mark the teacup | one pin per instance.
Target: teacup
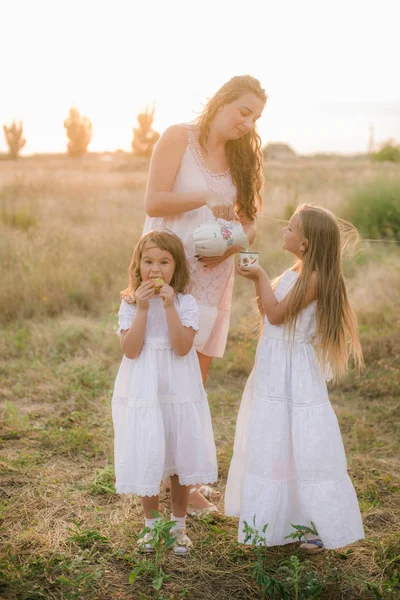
(248, 258)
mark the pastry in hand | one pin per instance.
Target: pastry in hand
(158, 283)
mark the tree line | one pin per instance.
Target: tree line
(79, 131)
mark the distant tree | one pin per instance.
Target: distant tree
(388, 151)
(79, 132)
(144, 138)
(14, 138)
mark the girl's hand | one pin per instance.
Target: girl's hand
(167, 293)
(143, 293)
(221, 207)
(252, 273)
(214, 261)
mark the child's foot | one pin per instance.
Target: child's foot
(182, 543)
(312, 546)
(146, 543)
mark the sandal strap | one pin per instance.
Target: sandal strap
(316, 542)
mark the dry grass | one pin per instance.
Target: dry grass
(58, 368)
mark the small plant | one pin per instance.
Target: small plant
(86, 538)
(302, 531)
(14, 138)
(301, 583)
(79, 132)
(144, 137)
(162, 540)
(269, 586)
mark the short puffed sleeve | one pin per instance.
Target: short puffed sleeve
(126, 314)
(188, 311)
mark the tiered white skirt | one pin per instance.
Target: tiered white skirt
(162, 422)
(289, 465)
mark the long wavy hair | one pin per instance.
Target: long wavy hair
(244, 155)
(164, 240)
(337, 329)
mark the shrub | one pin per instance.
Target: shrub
(375, 209)
(79, 132)
(144, 138)
(14, 138)
(388, 152)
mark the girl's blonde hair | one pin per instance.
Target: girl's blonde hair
(244, 154)
(337, 328)
(164, 240)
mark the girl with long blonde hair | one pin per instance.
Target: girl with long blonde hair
(289, 465)
(210, 169)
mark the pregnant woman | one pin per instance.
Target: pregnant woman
(210, 169)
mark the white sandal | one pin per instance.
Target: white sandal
(145, 543)
(313, 546)
(182, 544)
(209, 493)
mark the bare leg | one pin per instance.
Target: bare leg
(197, 500)
(205, 363)
(150, 503)
(179, 497)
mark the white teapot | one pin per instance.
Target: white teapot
(214, 239)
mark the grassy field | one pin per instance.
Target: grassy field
(67, 233)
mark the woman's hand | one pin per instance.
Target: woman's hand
(221, 207)
(214, 261)
(252, 273)
(167, 293)
(144, 292)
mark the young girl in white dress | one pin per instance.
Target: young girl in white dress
(162, 422)
(289, 465)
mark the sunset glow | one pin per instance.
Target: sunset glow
(329, 69)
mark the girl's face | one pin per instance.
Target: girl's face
(156, 263)
(293, 239)
(240, 116)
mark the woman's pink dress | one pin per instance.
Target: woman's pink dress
(211, 287)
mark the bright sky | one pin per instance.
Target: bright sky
(330, 69)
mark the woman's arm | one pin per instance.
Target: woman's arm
(164, 166)
(249, 227)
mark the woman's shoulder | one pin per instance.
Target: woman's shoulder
(177, 133)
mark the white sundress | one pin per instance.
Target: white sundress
(289, 464)
(211, 287)
(162, 422)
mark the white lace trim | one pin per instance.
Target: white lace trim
(155, 402)
(140, 490)
(194, 144)
(221, 183)
(286, 400)
(203, 478)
